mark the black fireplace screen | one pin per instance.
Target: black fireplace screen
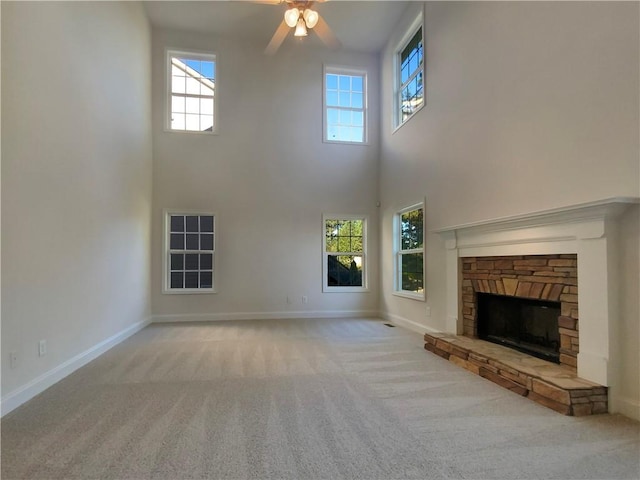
(527, 325)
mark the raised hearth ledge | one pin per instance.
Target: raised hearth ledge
(551, 385)
(588, 230)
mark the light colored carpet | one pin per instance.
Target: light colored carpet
(298, 399)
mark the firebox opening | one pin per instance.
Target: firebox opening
(527, 325)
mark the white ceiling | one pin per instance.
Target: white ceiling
(360, 25)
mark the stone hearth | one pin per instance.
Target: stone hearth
(554, 386)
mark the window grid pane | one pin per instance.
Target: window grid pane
(344, 108)
(191, 251)
(192, 93)
(344, 247)
(344, 270)
(412, 274)
(411, 230)
(411, 92)
(410, 256)
(344, 236)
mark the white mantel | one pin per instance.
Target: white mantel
(588, 230)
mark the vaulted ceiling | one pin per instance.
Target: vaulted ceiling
(359, 25)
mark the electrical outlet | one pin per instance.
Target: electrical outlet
(428, 310)
(42, 348)
(13, 359)
(305, 299)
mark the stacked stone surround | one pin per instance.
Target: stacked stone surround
(554, 386)
(544, 277)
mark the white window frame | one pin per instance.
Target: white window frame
(195, 55)
(325, 267)
(338, 70)
(398, 252)
(166, 252)
(416, 25)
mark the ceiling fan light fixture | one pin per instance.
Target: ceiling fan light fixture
(291, 17)
(301, 29)
(310, 17)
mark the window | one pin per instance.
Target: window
(189, 247)
(192, 86)
(344, 253)
(409, 233)
(410, 76)
(345, 105)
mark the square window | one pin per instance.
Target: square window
(206, 223)
(177, 241)
(206, 279)
(191, 261)
(192, 241)
(177, 261)
(177, 279)
(206, 241)
(206, 261)
(191, 279)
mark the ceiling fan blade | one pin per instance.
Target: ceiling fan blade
(277, 39)
(326, 34)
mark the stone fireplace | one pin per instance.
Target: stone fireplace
(546, 256)
(550, 278)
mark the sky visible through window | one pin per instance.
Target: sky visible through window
(411, 91)
(345, 104)
(192, 93)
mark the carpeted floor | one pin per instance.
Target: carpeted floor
(298, 399)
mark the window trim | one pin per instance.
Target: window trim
(365, 266)
(196, 55)
(418, 23)
(166, 289)
(397, 277)
(340, 70)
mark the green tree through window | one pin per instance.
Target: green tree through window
(410, 257)
(344, 252)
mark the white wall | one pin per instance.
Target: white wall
(529, 106)
(629, 327)
(76, 184)
(269, 178)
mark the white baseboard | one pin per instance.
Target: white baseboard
(38, 385)
(626, 406)
(408, 324)
(218, 317)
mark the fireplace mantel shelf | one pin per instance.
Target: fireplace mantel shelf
(599, 209)
(587, 230)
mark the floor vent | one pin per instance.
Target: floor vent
(389, 325)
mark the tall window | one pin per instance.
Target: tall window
(344, 253)
(189, 263)
(410, 77)
(192, 88)
(410, 252)
(345, 105)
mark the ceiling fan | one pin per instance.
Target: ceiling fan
(302, 17)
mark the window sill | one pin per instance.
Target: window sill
(398, 127)
(340, 142)
(326, 289)
(188, 291)
(191, 132)
(412, 296)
